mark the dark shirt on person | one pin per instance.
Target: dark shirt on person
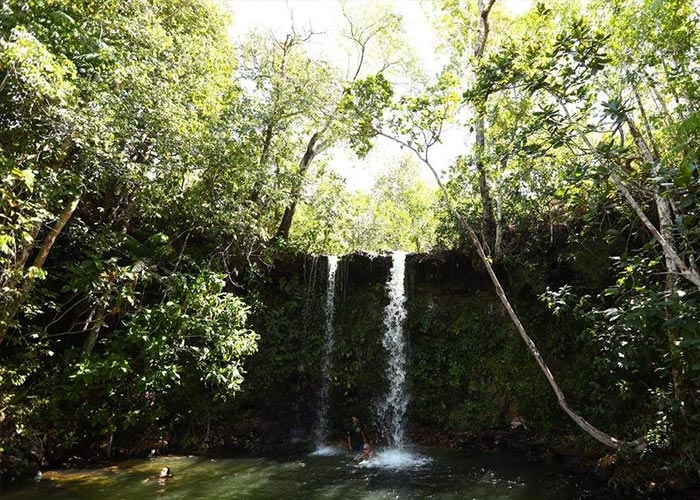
(356, 438)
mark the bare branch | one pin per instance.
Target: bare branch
(687, 272)
(612, 442)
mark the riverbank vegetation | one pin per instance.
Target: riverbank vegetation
(156, 175)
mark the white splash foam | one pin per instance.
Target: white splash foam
(327, 451)
(396, 459)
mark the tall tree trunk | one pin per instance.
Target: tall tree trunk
(110, 443)
(267, 142)
(688, 272)
(264, 158)
(498, 240)
(665, 214)
(92, 326)
(11, 309)
(288, 216)
(488, 222)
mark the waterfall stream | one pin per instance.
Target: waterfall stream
(324, 397)
(392, 409)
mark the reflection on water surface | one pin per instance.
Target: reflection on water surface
(436, 474)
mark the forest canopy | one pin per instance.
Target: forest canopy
(153, 167)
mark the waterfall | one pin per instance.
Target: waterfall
(324, 398)
(392, 409)
(310, 277)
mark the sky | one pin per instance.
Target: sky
(325, 16)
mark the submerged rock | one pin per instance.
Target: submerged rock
(605, 467)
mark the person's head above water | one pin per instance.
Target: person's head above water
(165, 472)
(367, 452)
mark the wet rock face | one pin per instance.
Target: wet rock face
(440, 287)
(445, 271)
(467, 368)
(286, 369)
(261, 437)
(364, 269)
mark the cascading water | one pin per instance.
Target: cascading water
(392, 409)
(324, 397)
(310, 276)
(297, 433)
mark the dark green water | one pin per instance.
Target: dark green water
(447, 474)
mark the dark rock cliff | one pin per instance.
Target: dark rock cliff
(468, 370)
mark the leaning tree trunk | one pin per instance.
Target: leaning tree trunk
(288, 216)
(54, 233)
(92, 327)
(665, 214)
(12, 308)
(610, 441)
(637, 445)
(688, 272)
(664, 235)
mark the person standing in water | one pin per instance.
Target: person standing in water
(356, 438)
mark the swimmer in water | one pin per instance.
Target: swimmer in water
(165, 473)
(367, 452)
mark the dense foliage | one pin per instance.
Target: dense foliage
(112, 114)
(152, 173)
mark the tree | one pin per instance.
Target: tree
(404, 209)
(416, 125)
(396, 214)
(115, 117)
(323, 117)
(565, 75)
(98, 112)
